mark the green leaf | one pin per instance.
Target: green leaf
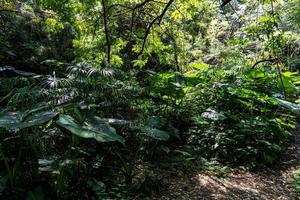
(3, 182)
(116, 122)
(289, 105)
(39, 107)
(94, 127)
(193, 78)
(155, 133)
(184, 153)
(37, 194)
(213, 115)
(19, 120)
(198, 120)
(155, 122)
(97, 186)
(165, 149)
(38, 118)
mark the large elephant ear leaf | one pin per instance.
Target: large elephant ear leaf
(155, 133)
(38, 118)
(16, 120)
(94, 128)
(151, 128)
(155, 122)
(11, 120)
(38, 107)
(99, 124)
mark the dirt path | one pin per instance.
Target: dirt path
(266, 184)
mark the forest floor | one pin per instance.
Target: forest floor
(267, 184)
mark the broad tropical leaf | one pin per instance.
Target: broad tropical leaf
(292, 106)
(155, 133)
(116, 122)
(94, 127)
(20, 120)
(151, 128)
(155, 122)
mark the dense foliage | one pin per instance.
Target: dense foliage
(96, 96)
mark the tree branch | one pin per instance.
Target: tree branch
(225, 2)
(272, 60)
(106, 30)
(159, 19)
(130, 8)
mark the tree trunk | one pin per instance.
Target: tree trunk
(106, 30)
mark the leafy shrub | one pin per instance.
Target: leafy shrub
(243, 124)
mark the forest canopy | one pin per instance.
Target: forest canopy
(98, 96)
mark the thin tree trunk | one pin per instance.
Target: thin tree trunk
(106, 30)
